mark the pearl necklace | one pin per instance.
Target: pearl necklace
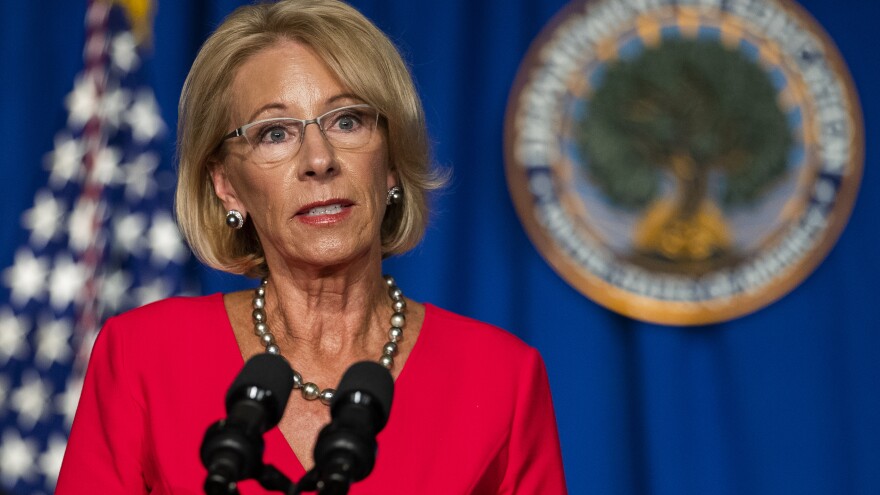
(310, 391)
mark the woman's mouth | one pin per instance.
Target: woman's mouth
(324, 210)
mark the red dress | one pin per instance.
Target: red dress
(472, 411)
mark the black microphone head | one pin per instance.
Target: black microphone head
(266, 378)
(366, 378)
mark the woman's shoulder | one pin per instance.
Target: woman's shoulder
(446, 328)
(456, 355)
(174, 308)
(175, 305)
(170, 329)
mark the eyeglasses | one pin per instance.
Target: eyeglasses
(276, 140)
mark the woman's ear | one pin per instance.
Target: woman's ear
(223, 188)
(392, 181)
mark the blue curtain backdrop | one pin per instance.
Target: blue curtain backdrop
(786, 400)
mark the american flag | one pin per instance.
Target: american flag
(100, 239)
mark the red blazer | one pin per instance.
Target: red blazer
(472, 411)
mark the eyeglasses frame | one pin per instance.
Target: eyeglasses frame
(239, 132)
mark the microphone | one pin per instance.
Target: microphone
(232, 449)
(345, 451)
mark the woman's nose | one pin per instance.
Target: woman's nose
(316, 158)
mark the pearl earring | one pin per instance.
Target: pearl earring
(234, 219)
(395, 195)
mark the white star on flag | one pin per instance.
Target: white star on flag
(53, 341)
(106, 164)
(83, 102)
(50, 460)
(114, 290)
(80, 224)
(123, 52)
(17, 456)
(66, 282)
(128, 232)
(26, 279)
(44, 219)
(65, 161)
(144, 118)
(138, 177)
(114, 102)
(30, 400)
(13, 335)
(165, 242)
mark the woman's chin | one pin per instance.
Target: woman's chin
(332, 252)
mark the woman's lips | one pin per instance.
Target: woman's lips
(324, 212)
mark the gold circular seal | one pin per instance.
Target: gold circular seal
(683, 163)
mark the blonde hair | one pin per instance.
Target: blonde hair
(367, 64)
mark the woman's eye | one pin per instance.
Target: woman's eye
(275, 134)
(346, 122)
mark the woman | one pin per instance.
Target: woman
(312, 210)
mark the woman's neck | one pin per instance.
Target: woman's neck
(328, 312)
